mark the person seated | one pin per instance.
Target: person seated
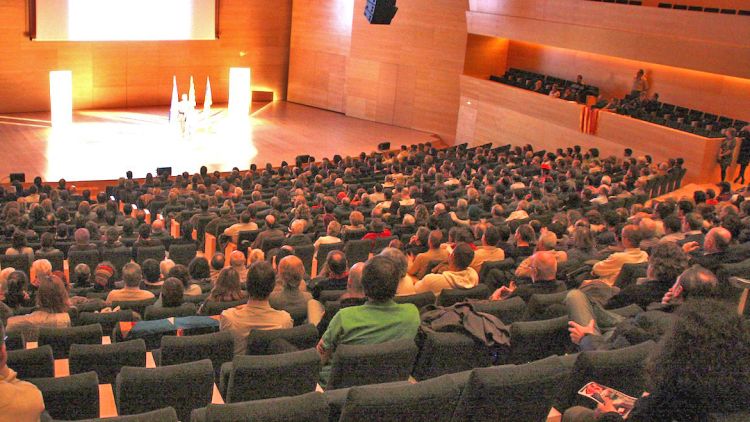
(226, 289)
(458, 276)
(225, 219)
(487, 251)
(183, 274)
(354, 296)
(546, 244)
(405, 281)
(159, 233)
(82, 242)
(287, 294)
(542, 269)
(665, 263)
(246, 224)
(608, 269)
(40, 269)
(151, 275)
(379, 320)
(440, 218)
(297, 234)
(418, 267)
(712, 380)
(132, 277)
(672, 229)
(15, 291)
(332, 236)
(592, 327)
(217, 264)
(173, 295)
(144, 238)
(52, 304)
(237, 261)
(111, 239)
(20, 401)
(81, 277)
(104, 277)
(714, 251)
(257, 314)
(377, 230)
(270, 231)
(47, 243)
(356, 223)
(333, 275)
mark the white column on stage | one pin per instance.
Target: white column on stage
(174, 107)
(240, 94)
(191, 92)
(208, 99)
(61, 97)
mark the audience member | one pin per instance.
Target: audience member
(132, 277)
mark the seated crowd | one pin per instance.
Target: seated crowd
(519, 222)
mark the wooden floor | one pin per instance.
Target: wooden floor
(103, 145)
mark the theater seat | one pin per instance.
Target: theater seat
(533, 340)
(357, 251)
(445, 353)
(311, 407)
(428, 401)
(152, 312)
(508, 311)
(302, 337)
(546, 305)
(32, 363)
(449, 297)
(72, 397)
(61, 338)
(420, 300)
(512, 393)
(166, 414)
(107, 320)
(372, 364)
(264, 377)
(185, 387)
(218, 347)
(107, 359)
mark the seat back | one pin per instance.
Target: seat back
(545, 306)
(184, 387)
(507, 311)
(166, 414)
(302, 336)
(15, 341)
(32, 363)
(107, 320)
(512, 392)
(90, 258)
(218, 347)
(269, 243)
(20, 262)
(382, 243)
(445, 353)
(153, 312)
(134, 305)
(60, 339)
(310, 407)
(372, 364)
(216, 308)
(449, 297)
(427, 401)
(265, 377)
(71, 398)
(305, 253)
(57, 259)
(118, 257)
(143, 253)
(353, 234)
(182, 253)
(357, 251)
(107, 359)
(323, 251)
(621, 369)
(420, 300)
(533, 340)
(330, 295)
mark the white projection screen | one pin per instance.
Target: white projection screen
(125, 20)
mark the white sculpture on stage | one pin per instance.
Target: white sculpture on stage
(182, 113)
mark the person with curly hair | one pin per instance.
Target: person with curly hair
(666, 262)
(686, 386)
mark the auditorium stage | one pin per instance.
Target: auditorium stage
(103, 145)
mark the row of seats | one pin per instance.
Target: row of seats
(724, 11)
(526, 79)
(683, 118)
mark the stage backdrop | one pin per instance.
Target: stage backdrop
(252, 33)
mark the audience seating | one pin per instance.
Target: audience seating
(182, 254)
(449, 297)
(184, 387)
(166, 414)
(357, 251)
(106, 359)
(118, 257)
(311, 407)
(149, 252)
(153, 312)
(107, 320)
(443, 353)
(218, 347)
(420, 300)
(15, 341)
(56, 259)
(90, 258)
(508, 311)
(302, 337)
(270, 243)
(512, 393)
(428, 401)
(20, 262)
(330, 295)
(72, 397)
(371, 364)
(32, 363)
(263, 377)
(138, 306)
(546, 305)
(323, 251)
(305, 253)
(216, 308)
(533, 340)
(60, 339)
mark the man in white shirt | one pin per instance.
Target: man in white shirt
(132, 276)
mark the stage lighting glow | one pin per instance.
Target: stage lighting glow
(240, 92)
(61, 97)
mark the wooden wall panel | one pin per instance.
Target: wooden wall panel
(486, 56)
(407, 73)
(320, 41)
(718, 94)
(125, 74)
(705, 42)
(487, 115)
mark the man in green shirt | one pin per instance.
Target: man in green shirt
(378, 321)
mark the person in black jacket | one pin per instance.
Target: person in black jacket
(743, 157)
(698, 368)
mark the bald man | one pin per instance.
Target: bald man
(158, 232)
(607, 270)
(287, 293)
(296, 234)
(237, 261)
(354, 296)
(546, 244)
(715, 250)
(648, 229)
(271, 230)
(542, 267)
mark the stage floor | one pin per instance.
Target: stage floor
(103, 145)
